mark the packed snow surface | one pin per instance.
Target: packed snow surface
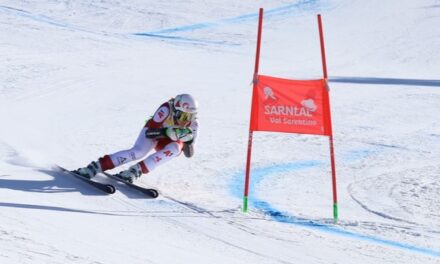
(78, 79)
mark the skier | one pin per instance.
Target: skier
(171, 130)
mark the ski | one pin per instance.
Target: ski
(151, 193)
(108, 188)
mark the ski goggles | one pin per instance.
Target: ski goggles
(184, 116)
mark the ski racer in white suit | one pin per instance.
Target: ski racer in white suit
(171, 130)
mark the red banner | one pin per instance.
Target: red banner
(291, 106)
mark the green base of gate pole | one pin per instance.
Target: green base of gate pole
(245, 204)
(335, 213)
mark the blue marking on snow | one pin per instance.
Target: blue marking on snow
(357, 154)
(309, 6)
(289, 219)
(41, 18)
(192, 40)
(305, 5)
(257, 175)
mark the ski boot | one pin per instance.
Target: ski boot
(90, 170)
(131, 173)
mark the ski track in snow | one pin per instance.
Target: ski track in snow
(297, 8)
(266, 208)
(42, 19)
(305, 6)
(257, 173)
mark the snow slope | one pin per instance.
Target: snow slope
(79, 78)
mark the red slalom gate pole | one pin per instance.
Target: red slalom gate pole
(332, 152)
(255, 79)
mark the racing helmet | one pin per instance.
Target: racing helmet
(185, 108)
